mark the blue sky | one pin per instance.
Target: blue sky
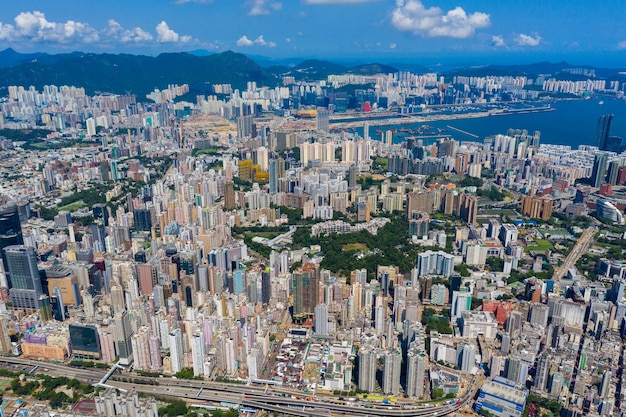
(479, 31)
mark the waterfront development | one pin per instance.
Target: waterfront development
(567, 122)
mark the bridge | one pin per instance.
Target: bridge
(105, 378)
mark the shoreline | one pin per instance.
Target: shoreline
(411, 120)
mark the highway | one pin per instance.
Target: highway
(579, 249)
(269, 398)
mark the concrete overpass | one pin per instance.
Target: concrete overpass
(270, 398)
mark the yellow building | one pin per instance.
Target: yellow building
(33, 350)
(537, 208)
(64, 278)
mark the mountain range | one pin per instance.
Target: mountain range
(141, 74)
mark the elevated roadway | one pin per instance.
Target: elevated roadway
(269, 398)
(580, 248)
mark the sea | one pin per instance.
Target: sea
(573, 123)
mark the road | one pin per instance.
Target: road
(579, 249)
(270, 398)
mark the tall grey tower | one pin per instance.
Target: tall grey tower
(10, 231)
(602, 131)
(25, 279)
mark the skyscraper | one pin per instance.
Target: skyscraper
(266, 287)
(101, 212)
(321, 320)
(305, 289)
(391, 373)
(276, 171)
(10, 230)
(322, 120)
(367, 369)
(229, 196)
(25, 286)
(467, 357)
(244, 126)
(176, 350)
(142, 220)
(602, 131)
(598, 172)
(197, 353)
(416, 366)
(542, 372)
(122, 335)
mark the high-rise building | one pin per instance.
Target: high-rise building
(321, 320)
(148, 278)
(468, 207)
(122, 335)
(141, 349)
(416, 367)
(602, 131)
(10, 230)
(142, 220)
(305, 289)
(508, 234)
(101, 212)
(244, 126)
(322, 120)
(605, 384)
(367, 369)
(542, 372)
(436, 263)
(418, 223)
(598, 173)
(229, 196)
(266, 287)
(197, 353)
(461, 301)
(613, 171)
(352, 175)
(276, 172)
(467, 357)
(537, 208)
(391, 372)
(25, 279)
(176, 350)
(556, 384)
(284, 140)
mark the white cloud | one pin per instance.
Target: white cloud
(287, 40)
(259, 41)
(498, 40)
(412, 16)
(115, 31)
(35, 27)
(6, 32)
(392, 46)
(165, 34)
(244, 41)
(528, 40)
(336, 1)
(621, 45)
(261, 7)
